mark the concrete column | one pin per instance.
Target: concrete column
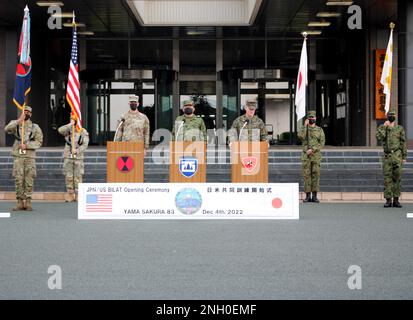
(3, 88)
(405, 13)
(219, 86)
(175, 86)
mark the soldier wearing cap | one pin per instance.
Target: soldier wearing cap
(134, 125)
(248, 127)
(29, 137)
(189, 127)
(313, 140)
(393, 138)
(73, 155)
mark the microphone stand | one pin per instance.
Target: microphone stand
(240, 133)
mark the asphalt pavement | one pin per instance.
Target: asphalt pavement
(232, 259)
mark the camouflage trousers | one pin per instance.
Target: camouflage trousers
(73, 171)
(392, 170)
(311, 174)
(24, 171)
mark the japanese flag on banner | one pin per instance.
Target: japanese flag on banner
(302, 82)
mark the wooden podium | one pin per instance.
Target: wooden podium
(249, 162)
(187, 162)
(124, 162)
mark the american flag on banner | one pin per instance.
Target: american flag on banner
(73, 84)
(99, 202)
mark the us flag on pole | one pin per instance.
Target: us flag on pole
(99, 202)
(73, 84)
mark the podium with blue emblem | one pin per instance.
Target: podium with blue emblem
(124, 162)
(187, 162)
(249, 162)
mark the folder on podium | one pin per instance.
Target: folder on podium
(187, 162)
(249, 162)
(125, 161)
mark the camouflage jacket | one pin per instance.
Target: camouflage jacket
(33, 138)
(81, 141)
(316, 140)
(134, 128)
(393, 139)
(254, 131)
(189, 129)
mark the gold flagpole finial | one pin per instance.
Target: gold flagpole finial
(392, 25)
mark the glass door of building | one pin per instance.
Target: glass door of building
(108, 100)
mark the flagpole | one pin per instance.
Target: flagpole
(307, 93)
(392, 26)
(26, 53)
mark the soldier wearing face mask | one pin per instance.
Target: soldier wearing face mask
(29, 137)
(393, 139)
(313, 140)
(189, 127)
(134, 125)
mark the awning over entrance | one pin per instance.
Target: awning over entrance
(195, 13)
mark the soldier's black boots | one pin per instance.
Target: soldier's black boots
(396, 203)
(307, 197)
(315, 199)
(388, 203)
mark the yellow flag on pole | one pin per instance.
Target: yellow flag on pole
(386, 76)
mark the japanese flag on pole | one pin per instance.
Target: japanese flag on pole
(302, 82)
(386, 76)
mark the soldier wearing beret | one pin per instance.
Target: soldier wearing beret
(189, 127)
(313, 140)
(134, 125)
(393, 139)
(248, 127)
(28, 138)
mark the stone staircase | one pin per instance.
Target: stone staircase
(343, 169)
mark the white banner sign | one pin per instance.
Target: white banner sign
(188, 201)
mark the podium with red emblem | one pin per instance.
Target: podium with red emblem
(249, 162)
(187, 162)
(124, 162)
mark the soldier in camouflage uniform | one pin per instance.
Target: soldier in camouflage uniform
(393, 139)
(134, 125)
(248, 127)
(73, 167)
(24, 154)
(313, 140)
(189, 127)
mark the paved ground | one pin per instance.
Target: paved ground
(306, 259)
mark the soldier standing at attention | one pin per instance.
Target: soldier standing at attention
(313, 140)
(248, 127)
(73, 167)
(29, 137)
(134, 125)
(189, 127)
(393, 138)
